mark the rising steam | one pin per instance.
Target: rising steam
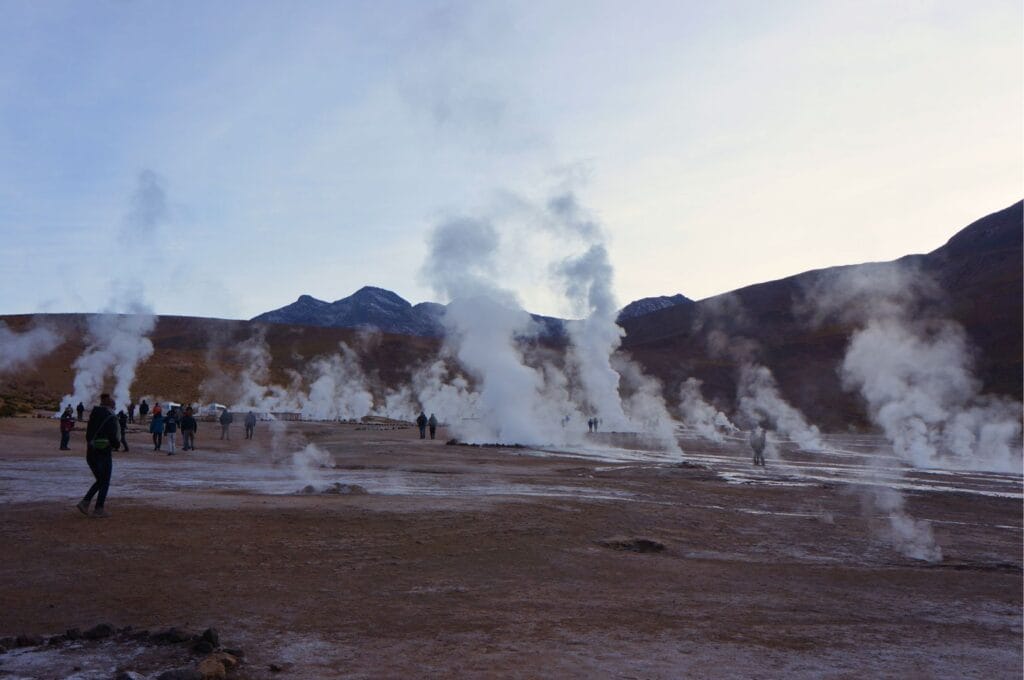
(19, 350)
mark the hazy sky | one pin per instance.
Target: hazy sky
(233, 155)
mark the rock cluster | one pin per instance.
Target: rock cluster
(214, 662)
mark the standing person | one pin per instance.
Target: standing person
(421, 422)
(189, 426)
(156, 427)
(122, 420)
(433, 425)
(143, 410)
(170, 429)
(67, 423)
(81, 410)
(131, 412)
(157, 409)
(225, 424)
(250, 424)
(758, 438)
(100, 439)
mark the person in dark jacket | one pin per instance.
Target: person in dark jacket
(225, 424)
(421, 422)
(131, 412)
(100, 438)
(156, 426)
(67, 423)
(432, 423)
(81, 410)
(171, 429)
(122, 420)
(143, 410)
(189, 426)
(250, 424)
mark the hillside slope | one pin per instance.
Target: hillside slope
(979, 270)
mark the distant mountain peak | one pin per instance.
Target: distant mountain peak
(651, 304)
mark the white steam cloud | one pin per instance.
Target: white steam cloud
(705, 419)
(115, 346)
(20, 350)
(915, 372)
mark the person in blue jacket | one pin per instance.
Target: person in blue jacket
(156, 426)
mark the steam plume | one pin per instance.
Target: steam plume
(18, 350)
(116, 345)
(708, 421)
(915, 371)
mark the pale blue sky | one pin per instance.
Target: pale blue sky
(233, 155)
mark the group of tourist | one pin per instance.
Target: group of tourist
(423, 422)
(106, 432)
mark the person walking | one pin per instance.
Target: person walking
(225, 424)
(81, 410)
(156, 427)
(189, 426)
(432, 423)
(67, 423)
(131, 412)
(171, 429)
(758, 439)
(100, 440)
(421, 422)
(250, 424)
(143, 410)
(122, 420)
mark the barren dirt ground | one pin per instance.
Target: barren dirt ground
(488, 562)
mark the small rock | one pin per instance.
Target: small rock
(56, 640)
(28, 641)
(7, 642)
(171, 636)
(211, 636)
(181, 674)
(274, 668)
(212, 669)
(129, 675)
(640, 545)
(202, 647)
(99, 632)
(73, 634)
(139, 635)
(3, 649)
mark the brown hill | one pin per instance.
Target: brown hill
(979, 270)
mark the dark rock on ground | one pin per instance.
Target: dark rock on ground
(99, 632)
(640, 545)
(28, 641)
(203, 647)
(73, 634)
(212, 636)
(171, 636)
